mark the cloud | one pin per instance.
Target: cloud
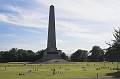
(76, 21)
(25, 19)
(93, 10)
(9, 34)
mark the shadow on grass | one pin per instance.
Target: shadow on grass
(114, 74)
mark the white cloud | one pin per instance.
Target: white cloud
(25, 18)
(90, 10)
(10, 35)
(95, 11)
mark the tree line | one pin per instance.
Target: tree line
(21, 55)
(96, 54)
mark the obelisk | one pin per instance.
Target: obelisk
(51, 52)
(51, 43)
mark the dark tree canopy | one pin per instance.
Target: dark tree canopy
(64, 56)
(21, 55)
(79, 55)
(97, 54)
(113, 52)
(17, 55)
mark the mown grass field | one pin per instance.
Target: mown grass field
(57, 71)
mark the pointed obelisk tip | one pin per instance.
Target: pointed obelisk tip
(51, 6)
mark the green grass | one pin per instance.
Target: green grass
(62, 71)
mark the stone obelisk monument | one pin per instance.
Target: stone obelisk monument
(51, 44)
(51, 52)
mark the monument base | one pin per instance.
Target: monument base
(50, 56)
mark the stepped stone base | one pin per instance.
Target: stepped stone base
(51, 57)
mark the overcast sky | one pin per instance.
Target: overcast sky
(80, 24)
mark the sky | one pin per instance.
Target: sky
(80, 24)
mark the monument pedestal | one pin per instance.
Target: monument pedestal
(50, 56)
(53, 54)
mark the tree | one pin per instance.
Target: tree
(113, 52)
(63, 56)
(21, 54)
(39, 54)
(5, 56)
(2, 56)
(79, 55)
(97, 54)
(30, 55)
(13, 54)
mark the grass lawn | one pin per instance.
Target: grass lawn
(57, 71)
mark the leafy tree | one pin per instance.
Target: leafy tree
(13, 54)
(113, 52)
(79, 55)
(21, 55)
(39, 54)
(64, 56)
(5, 55)
(2, 56)
(30, 55)
(97, 54)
